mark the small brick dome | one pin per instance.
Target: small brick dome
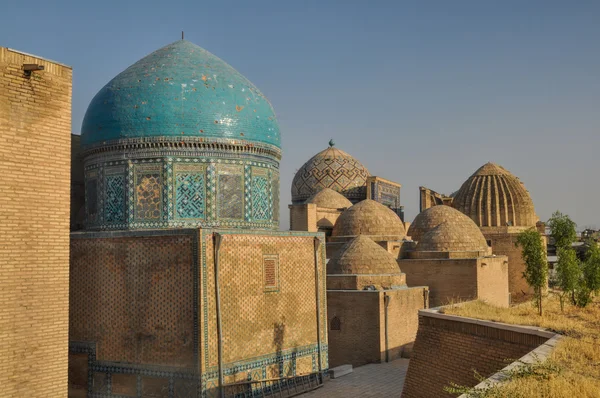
(329, 198)
(436, 215)
(494, 197)
(447, 237)
(362, 256)
(330, 168)
(369, 217)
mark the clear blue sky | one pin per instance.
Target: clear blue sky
(422, 93)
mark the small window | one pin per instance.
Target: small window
(336, 324)
(489, 242)
(271, 272)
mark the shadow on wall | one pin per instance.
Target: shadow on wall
(278, 342)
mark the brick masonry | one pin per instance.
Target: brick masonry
(449, 349)
(35, 156)
(144, 310)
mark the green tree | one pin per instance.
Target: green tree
(591, 267)
(569, 273)
(563, 230)
(533, 253)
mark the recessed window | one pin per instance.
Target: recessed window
(271, 272)
(336, 324)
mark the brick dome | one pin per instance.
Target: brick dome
(436, 215)
(330, 168)
(369, 217)
(493, 197)
(329, 198)
(362, 256)
(448, 237)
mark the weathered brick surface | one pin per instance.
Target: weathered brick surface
(448, 351)
(361, 336)
(35, 147)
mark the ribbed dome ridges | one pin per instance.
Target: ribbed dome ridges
(493, 197)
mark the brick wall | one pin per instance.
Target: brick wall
(360, 338)
(35, 139)
(492, 280)
(303, 217)
(449, 348)
(448, 280)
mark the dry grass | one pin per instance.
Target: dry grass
(577, 355)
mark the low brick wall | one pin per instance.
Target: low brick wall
(450, 348)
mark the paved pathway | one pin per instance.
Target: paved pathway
(374, 380)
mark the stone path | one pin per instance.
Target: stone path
(374, 380)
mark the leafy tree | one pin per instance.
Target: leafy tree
(563, 230)
(533, 253)
(591, 267)
(569, 273)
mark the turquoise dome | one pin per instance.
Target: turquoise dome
(180, 90)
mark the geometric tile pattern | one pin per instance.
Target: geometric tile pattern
(114, 205)
(181, 191)
(190, 195)
(331, 168)
(261, 205)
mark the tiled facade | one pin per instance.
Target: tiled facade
(35, 156)
(145, 314)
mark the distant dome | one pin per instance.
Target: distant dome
(181, 91)
(494, 197)
(369, 217)
(447, 237)
(331, 168)
(362, 256)
(329, 198)
(436, 215)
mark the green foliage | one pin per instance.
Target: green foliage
(533, 253)
(563, 230)
(569, 274)
(591, 268)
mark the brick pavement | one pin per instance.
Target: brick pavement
(374, 380)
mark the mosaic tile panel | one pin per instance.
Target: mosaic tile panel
(260, 195)
(275, 195)
(230, 192)
(148, 193)
(116, 195)
(91, 198)
(190, 192)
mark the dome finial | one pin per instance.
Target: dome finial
(331, 142)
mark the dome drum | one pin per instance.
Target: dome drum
(181, 139)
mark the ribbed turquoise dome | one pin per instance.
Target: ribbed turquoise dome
(180, 90)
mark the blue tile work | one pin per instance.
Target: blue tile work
(114, 203)
(388, 195)
(261, 195)
(190, 194)
(180, 192)
(161, 95)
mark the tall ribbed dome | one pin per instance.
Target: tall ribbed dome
(182, 91)
(330, 199)
(369, 217)
(436, 215)
(492, 197)
(330, 168)
(447, 237)
(362, 256)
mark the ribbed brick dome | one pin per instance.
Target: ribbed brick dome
(493, 197)
(362, 256)
(331, 168)
(329, 198)
(447, 237)
(436, 215)
(369, 217)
